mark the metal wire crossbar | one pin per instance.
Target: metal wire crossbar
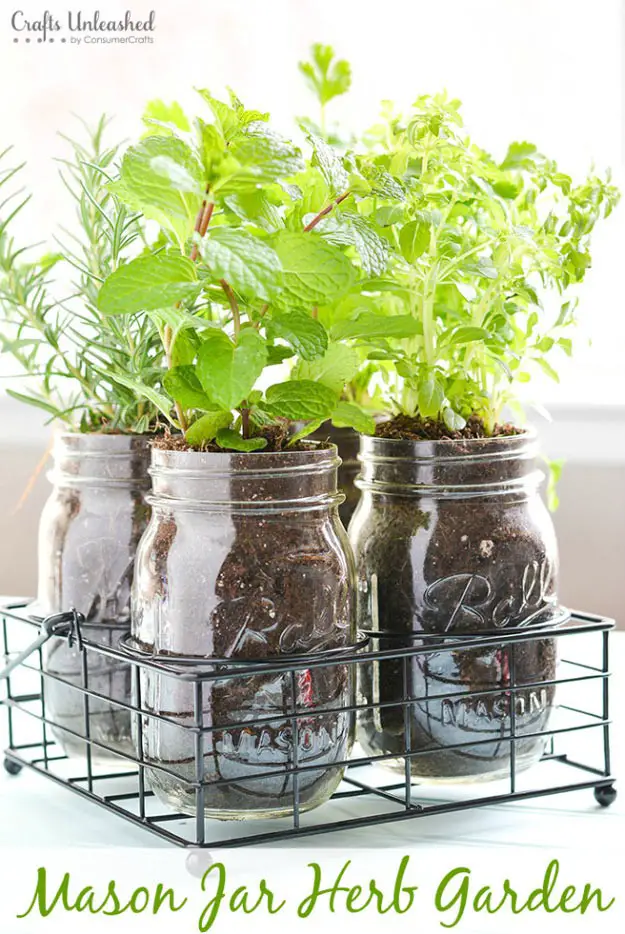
(120, 777)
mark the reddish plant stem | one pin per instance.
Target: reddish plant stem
(330, 207)
(201, 224)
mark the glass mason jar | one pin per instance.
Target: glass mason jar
(88, 536)
(348, 443)
(245, 558)
(452, 537)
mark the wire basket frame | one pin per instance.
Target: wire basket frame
(371, 794)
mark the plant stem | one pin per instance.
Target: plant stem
(167, 347)
(236, 315)
(201, 223)
(330, 207)
(245, 422)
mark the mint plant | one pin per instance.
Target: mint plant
(486, 258)
(75, 363)
(255, 245)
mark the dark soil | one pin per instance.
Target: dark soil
(409, 428)
(277, 437)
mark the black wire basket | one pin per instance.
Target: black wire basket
(368, 794)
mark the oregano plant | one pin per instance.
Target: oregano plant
(480, 289)
(245, 264)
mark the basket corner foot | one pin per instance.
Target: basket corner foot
(11, 766)
(605, 795)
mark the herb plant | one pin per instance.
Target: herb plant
(77, 364)
(480, 250)
(253, 247)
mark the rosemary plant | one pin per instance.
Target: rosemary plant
(73, 362)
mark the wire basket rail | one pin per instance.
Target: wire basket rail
(369, 794)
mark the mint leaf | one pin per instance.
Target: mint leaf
(330, 165)
(265, 155)
(164, 118)
(182, 384)
(313, 272)
(247, 263)
(349, 229)
(163, 177)
(228, 438)
(308, 429)
(227, 371)
(348, 415)
(305, 334)
(147, 283)
(300, 399)
(334, 369)
(207, 427)
(369, 325)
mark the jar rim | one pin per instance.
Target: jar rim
(198, 464)
(495, 447)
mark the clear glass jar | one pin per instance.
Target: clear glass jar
(245, 558)
(347, 442)
(88, 535)
(452, 537)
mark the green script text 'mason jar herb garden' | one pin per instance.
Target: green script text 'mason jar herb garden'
(245, 559)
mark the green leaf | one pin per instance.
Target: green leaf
(207, 427)
(266, 156)
(227, 371)
(307, 430)
(430, 398)
(148, 283)
(547, 368)
(414, 239)
(453, 420)
(326, 77)
(277, 353)
(349, 229)
(247, 263)
(305, 334)
(228, 438)
(162, 175)
(369, 325)
(183, 385)
(162, 403)
(465, 335)
(34, 401)
(348, 415)
(334, 369)
(313, 272)
(300, 399)
(329, 164)
(167, 117)
(519, 156)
